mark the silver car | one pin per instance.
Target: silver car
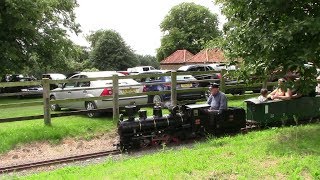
(73, 90)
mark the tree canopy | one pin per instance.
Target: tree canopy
(35, 32)
(274, 35)
(148, 60)
(187, 26)
(110, 52)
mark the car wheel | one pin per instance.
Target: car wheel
(54, 107)
(91, 106)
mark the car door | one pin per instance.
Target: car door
(69, 92)
(81, 91)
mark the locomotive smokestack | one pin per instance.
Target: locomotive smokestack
(130, 110)
(157, 111)
(142, 114)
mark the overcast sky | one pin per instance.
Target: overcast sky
(136, 21)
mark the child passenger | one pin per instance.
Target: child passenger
(263, 95)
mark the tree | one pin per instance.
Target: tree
(110, 51)
(275, 35)
(35, 31)
(187, 26)
(148, 60)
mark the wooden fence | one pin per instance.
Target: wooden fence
(46, 102)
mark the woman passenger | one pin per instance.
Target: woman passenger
(281, 92)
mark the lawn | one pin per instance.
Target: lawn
(14, 133)
(279, 153)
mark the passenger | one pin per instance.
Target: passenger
(281, 92)
(217, 100)
(263, 95)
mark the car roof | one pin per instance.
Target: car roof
(56, 76)
(186, 67)
(154, 71)
(99, 74)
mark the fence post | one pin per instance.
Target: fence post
(46, 101)
(222, 81)
(174, 88)
(115, 82)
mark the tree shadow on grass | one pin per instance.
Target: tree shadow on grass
(297, 141)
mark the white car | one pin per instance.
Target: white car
(220, 66)
(74, 90)
(139, 69)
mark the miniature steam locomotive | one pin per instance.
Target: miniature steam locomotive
(183, 122)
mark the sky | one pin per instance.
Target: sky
(137, 21)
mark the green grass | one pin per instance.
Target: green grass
(280, 153)
(15, 133)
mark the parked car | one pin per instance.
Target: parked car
(102, 88)
(201, 67)
(34, 90)
(220, 66)
(54, 76)
(139, 69)
(182, 83)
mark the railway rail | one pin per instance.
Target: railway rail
(21, 167)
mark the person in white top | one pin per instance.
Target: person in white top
(263, 95)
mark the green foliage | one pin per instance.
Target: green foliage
(187, 26)
(274, 36)
(110, 52)
(34, 33)
(147, 60)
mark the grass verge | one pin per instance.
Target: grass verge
(280, 153)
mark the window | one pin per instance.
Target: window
(145, 69)
(72, 84)
(84, 84)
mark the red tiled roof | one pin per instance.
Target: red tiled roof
(178, 57)
(208, 56)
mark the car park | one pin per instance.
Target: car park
(183, 82)
(96, 88)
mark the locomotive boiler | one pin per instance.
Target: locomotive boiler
(183, 122)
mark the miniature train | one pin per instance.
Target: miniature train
(190, 121)
(183, 122)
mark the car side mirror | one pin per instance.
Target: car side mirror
(61, 85)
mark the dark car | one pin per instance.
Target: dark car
(202, 67)
(182, 83)
(35, 90)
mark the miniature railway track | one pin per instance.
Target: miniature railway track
(56, 161)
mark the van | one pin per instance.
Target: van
(140, 69)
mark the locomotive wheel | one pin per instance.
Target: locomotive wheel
(145, 142)
(165, 139)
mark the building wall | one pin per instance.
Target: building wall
(170, 66)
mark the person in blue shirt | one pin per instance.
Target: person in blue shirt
(217, 100)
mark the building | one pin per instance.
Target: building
(184, 57)
(176, 60)
(207, 56)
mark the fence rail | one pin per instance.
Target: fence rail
(46, 102)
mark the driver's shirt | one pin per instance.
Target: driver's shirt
(218, 101)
